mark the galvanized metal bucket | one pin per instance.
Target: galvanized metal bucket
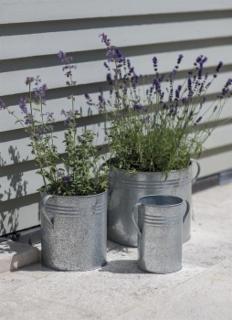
(127, 188)
(160, 233)
(74, 231)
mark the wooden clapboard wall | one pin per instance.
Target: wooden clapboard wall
(33, 31)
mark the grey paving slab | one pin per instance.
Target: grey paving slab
(206, 297)
(33, 309)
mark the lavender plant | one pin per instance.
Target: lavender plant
(158, 128)
(76, 172)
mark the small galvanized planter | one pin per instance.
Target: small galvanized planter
(160, 230)
(127, 188)
(74, 231)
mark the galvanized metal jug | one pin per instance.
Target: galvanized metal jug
(160, 233)
(125, 189)
(74, 231)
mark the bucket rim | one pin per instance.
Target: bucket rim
(43, 194)
(131, 173)
(181, 201)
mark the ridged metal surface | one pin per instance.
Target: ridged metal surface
(160, 233)
(125, 190)
(74, 232)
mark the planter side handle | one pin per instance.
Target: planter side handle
(136, 207)
(43, 208)
(194, 179)
(187, 210)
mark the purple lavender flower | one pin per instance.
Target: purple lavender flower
(39, 93)
(157, 85)
(37, 80)
(177, 93)
(228, 83)
(61, 56)
(155, 63)
(89, 101)
(134, 81)
(114, 54)
(226, 89)
(219, 66)
(109, 78)
(101, 98)
(190, 92)
(64, 58)
(128, 62)
(23, 105)
(102, 102)
(2, 104)
(199, 119)
(106, 66)
(50, 116)
(180, 57)
(105, 39)
(138, 107)
(28, 119)
(29, 80)
(199, 59)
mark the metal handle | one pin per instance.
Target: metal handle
(43, 205)
(133, 217)
(187, 210)
(198, 170)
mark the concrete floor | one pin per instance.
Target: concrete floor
(202, 290)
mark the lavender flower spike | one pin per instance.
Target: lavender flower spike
(23, 105)
(219, 66)
(64, 58)
(180, 57)
(105, 39)
(29, 80)
(138, 107)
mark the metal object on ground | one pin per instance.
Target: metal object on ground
(127, 188)
(160, 233)
(73, 231)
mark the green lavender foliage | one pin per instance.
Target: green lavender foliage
(80, 170)
(157, 124)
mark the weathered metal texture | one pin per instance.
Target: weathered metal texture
(74, 232)
(127, 188)
(160, 233)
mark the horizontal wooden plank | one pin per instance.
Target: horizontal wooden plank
(220, 136)
(13, 82)
(13, 11)
(215, 164)
(81, 40)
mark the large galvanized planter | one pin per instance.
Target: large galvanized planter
(74, 231)
(127, 188)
